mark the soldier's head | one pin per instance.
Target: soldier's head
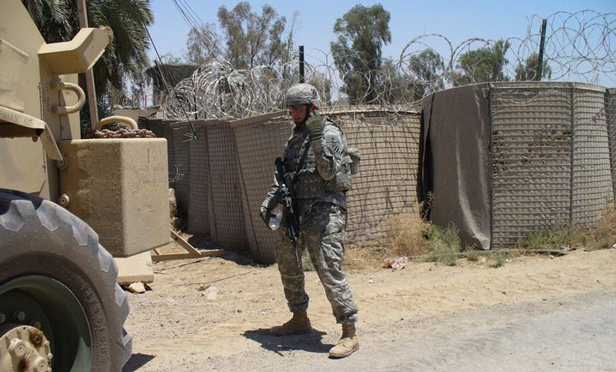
(301, 100)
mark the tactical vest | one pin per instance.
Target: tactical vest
(310, 185)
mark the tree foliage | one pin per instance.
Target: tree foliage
(202, 44)
(482, 65)
(249, 39)
(427, 69)
(530, 69)
(357, 52)
(126, 56)
(394, 87)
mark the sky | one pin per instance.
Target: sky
(455, 20)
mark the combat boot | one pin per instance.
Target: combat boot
(298, 325)
(348, 344)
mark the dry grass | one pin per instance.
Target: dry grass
(406, 237)
(605, 232)
(445, 244)
(408, 233)
(358, 258)
(411, 236)
(601, 237)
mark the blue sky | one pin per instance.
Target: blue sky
(455, 20)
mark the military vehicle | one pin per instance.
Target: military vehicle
(62, 200)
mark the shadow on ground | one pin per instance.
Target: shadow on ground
(136, 361)
(311, 342)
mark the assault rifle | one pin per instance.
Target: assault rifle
(290, 210)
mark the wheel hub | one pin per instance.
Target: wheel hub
(24, 348)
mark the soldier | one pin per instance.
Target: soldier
(317, 162)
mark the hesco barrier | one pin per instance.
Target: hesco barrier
(226, 215)
(499, 160)
(198, 219)
(386, 185)
(179, 170)
(203, 171)
(525, 157)
(259, 141)
(228, 169)
(550, 157)
(610, 104)
(178, 152)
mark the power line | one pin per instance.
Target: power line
(165, 75)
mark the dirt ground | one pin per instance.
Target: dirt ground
(212, 314)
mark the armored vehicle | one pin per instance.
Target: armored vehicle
(68, 206)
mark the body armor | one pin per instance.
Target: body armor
(309, 183)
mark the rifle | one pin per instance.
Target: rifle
(290, 212)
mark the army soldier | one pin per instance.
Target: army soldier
(317, 164)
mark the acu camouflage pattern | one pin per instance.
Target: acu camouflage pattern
(326, 173)
(303, 94)
(321, 204)
(322, 234)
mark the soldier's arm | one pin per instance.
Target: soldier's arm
(273, 196)
(328, 152)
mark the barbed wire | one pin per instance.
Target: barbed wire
(578, 47)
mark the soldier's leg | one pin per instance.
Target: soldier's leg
(293, 282)
(323, 234)
(292, 276)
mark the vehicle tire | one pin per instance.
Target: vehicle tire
(54, 271)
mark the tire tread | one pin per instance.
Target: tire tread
(18, 209)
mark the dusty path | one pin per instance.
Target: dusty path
(533, 314)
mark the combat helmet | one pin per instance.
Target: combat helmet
(303, 94)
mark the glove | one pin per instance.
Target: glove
(315, 125)
(265, 215)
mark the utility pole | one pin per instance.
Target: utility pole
(301, 64)
(541, 48)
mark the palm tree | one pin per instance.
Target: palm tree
(126, 56)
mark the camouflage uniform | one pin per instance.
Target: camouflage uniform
(321, 203)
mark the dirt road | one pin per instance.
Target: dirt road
(533, 314)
